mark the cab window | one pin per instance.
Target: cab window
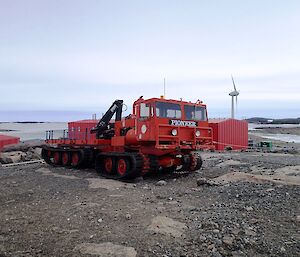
(195, 112)
(144, 110)
(168, 110)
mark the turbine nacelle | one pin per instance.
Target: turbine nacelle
(234, 93)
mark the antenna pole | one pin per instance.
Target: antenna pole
(164, 87)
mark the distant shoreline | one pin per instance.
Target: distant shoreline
(259, 120)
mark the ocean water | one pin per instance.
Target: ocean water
(28, 131)
(281, 137)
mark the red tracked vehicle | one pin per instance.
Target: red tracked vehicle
(160, 135)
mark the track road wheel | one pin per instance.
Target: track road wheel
(123, 167)
(106, 166)
(75, 159)
(109, 166)
(57, 158)
(66, 158)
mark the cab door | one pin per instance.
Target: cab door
(145, 129)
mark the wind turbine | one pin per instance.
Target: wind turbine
(233, 94)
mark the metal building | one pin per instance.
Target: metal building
(81, 129)
(229, 133)
(8, 140)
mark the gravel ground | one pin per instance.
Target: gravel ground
(48, 211)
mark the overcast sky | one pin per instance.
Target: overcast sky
(72, 55)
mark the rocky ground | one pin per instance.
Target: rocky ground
(238, 204)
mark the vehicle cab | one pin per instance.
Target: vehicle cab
(171, 124)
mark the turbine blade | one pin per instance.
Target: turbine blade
(233, 83)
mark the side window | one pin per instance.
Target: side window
(145, 110)
(157, 112)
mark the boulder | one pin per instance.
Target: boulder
(161, 183)
(12, 157)
(24, 146)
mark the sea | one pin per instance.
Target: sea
(281, 137)
(30, 131)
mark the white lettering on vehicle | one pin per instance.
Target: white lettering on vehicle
(183, 123)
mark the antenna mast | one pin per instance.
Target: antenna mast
(164, 87)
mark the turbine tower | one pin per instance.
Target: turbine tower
(233, 94)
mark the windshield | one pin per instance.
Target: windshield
(195, 112)
(168, 110)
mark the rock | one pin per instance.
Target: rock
(128, 216)
(100, 220)
(237, 254)
(211, 225)
(12, 157)
(211, 247)
(235, 231)
(106, 250)
(4, 159)
(161, 183)
(216, 231)
(202, 239)
(38, 151)
(201, 181)
(208, 182)
(252, 242)
(167, 226)
(282, 249)
(24, 146)
(31, 156)
(249, 208)
(216, 254)
(218, 241)
(249, 232)
(298, 218)
(28, 156)
(223, 251)
(228, 240)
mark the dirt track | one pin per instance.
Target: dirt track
(48, 211)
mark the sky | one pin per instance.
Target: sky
(68, 59)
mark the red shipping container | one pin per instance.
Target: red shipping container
(229, 133)
(8, 140)
(81, 129)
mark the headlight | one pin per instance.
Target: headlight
(197, 133)
(174, 132)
